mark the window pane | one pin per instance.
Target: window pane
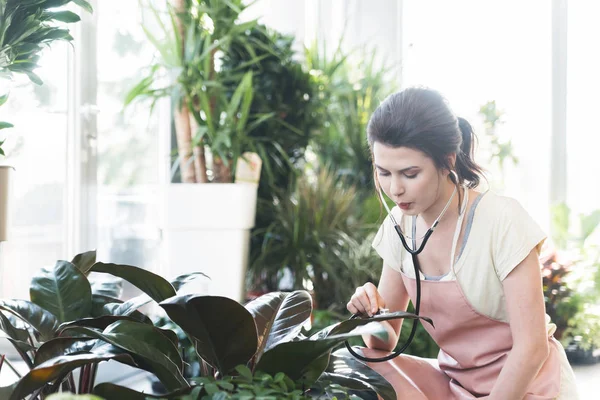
(36, 147)
(583, 85)
(127, 142)
(478, 51)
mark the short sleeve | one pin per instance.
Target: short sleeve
(388, 245)
(515, 234)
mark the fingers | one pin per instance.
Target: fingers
(366, 300)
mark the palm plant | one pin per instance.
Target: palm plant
(210, 61)
(26, 28)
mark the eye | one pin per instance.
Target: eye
(382, 173)
(413, 176)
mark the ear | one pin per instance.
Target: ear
(451, 159)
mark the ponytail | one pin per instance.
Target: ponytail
(466, 168)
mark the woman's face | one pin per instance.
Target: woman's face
(408, 177)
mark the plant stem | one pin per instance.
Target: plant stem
(83, 378)
(12, 367)
(72, 382)
(92, 379)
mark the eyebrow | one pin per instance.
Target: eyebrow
(402, 170)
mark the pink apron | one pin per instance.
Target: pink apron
(473, 350)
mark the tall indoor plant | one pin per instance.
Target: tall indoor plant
(26, 28)
(210, 67)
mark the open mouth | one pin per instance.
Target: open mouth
(405, 206)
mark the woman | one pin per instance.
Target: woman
(480, 274)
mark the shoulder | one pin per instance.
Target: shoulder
(495, 208)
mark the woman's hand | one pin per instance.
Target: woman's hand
(366, 300)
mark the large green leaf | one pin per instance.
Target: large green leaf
(304, 353)
(56, 368)
(182, 280)
(11, 331)
(105, 305)
(112, 391)
(63, 346)
(279, 317)
(153, 285)
(97, 322)
(42, 321)
(350, 324)
(62, 290)
(128, 307)
(84, 4)
(349, 372)
(148, 343)
(111, 288)
(224, 330)
(85, 261)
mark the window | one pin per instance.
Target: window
(36, 147)
(474, 52)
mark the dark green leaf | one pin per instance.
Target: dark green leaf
(63, 16)
(39, 319)
(305, 352)
(112, 391)
(224, 330)
(347, 371)
(111, 288)
(154, 285)
(11, 331)
(22, 346)
(62, 346)
(62, 290)
(4, 125)
(85, 5)
(3, 99)
(85, 261)
(97, 323)
(182, 280)
(55, 368)
(105, 305)
(156, 349)
(279, 317)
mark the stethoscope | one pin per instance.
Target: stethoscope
(414, 251)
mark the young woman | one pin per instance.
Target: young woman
(480, 274)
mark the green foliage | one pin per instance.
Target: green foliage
(572, 276)
(317, 237)
(351, 88)
(26, 28)
(264, 336)
(502, 150)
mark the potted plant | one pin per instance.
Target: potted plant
(73, 322)
(212, 92)
(26, 27)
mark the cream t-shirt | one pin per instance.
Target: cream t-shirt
(499, 235)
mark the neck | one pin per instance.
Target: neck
(433, 212)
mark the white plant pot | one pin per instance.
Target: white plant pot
(5, 174)
(206, 228)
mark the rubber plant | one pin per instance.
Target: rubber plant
(73, 322)
(26, 28)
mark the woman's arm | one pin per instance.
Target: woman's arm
(395, 297)
(526, 313)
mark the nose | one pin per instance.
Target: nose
(396, 187)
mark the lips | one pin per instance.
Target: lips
(404, 206)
